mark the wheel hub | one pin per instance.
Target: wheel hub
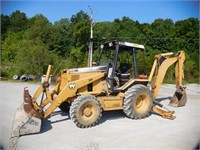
(87, 112)
(141, 103)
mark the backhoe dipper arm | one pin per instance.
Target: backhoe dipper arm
(161, 64)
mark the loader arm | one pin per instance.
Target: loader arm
(160, 66)
(28, 116)
(69, 91)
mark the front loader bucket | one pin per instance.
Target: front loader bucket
(27, 120)
(179, 99)
(25, 124)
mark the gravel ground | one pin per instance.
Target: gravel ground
(113, 132)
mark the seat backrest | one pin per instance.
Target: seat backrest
(125, 68)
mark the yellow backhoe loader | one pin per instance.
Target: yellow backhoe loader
(112, 83)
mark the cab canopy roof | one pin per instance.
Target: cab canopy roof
(124, 45)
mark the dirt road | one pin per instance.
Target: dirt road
(114, 131)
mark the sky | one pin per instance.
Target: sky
(144, 11)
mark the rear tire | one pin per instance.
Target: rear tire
(85, 111)
(138, 102)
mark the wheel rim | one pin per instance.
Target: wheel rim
(88, 113)
(142, 103)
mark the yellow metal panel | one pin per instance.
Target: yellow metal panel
(111, 103)
(82, 90)
(153, 70)
(132, 81)
(70, 91)
(121, 94)
(74, 77)
(161, 74)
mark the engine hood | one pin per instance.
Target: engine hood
(88, 69)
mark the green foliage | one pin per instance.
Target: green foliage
(80, 16)
(81, 33)
(41, 29)
(62, 41)
(18, 21)
(5, 23)
(28, 45)
(33, 57)
(8, 49)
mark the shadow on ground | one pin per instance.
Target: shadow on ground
(47, 123)
(106, 115)
(163, 98)
(111, 115)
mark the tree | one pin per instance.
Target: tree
(5, 23)
(41, 29)
(9, 46)
(81, 33)
(80, 16)
(18, 21)
(77, 58)
(162, 34)
(102, 32)
(62, 41)
(33, 57)
(187, 32)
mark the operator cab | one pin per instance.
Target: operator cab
(121, 62)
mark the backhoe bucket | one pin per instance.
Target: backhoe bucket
(27, 120)
(179, 99)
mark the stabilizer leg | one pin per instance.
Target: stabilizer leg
(164, 114)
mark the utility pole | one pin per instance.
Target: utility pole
(91, 38)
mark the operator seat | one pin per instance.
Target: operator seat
(111, 81)
(124, 72)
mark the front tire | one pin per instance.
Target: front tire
(138, 102)
(85, 111)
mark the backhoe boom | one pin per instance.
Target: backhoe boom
(160, 66)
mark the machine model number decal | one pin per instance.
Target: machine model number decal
(72, 85)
